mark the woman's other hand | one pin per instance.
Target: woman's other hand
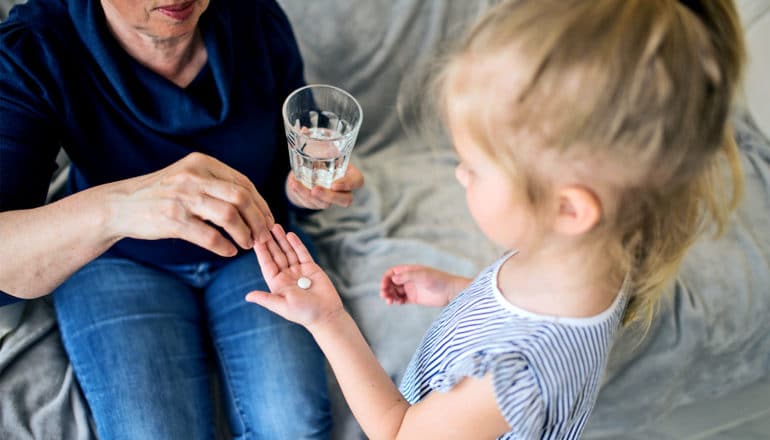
(415, 284)
(178, 202)
(340, 193)
(284, 260)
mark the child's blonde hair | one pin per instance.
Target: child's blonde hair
(641, 84)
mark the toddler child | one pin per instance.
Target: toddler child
(592, 135)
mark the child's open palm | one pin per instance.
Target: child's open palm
(284, 260)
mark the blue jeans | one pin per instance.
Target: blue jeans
(143, 341)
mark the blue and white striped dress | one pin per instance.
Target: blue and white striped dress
(546, 370)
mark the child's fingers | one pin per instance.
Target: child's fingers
(401, 294)
(278, 256)
(394, 275)
(407, 276)
(385, 281)
(265, 259)
(386, 292)
(274, 303)
(280, 237)
(387, 286)
(299, 248)
(402, 268)
(405, 273)
(392, 293)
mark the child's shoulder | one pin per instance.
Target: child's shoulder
(541, 301)
(490, 325)
(485, 280)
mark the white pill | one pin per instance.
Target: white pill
(303, 283)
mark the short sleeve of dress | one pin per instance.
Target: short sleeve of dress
(516, 388)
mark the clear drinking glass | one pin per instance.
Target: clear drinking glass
(322, 124)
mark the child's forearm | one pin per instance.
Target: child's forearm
(457, 285)
(373, 398)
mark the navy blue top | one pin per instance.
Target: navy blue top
(65, 81)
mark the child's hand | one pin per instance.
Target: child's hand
(414, 284)
(284, 260)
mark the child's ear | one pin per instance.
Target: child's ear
(579, 210)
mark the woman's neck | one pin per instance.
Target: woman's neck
(178, 59)
(565, 280)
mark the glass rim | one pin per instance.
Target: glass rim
(352, 132)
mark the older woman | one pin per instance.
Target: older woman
(170, 112)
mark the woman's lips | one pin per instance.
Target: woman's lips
(178, 12)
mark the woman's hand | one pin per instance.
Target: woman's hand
(340, 193)
(415, 284)
(284, 260)
(179, 201)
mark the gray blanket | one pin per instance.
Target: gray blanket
(710, 338)
(39, 398)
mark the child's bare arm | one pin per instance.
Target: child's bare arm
(416, 284)
(468, 411)
(301, 292)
